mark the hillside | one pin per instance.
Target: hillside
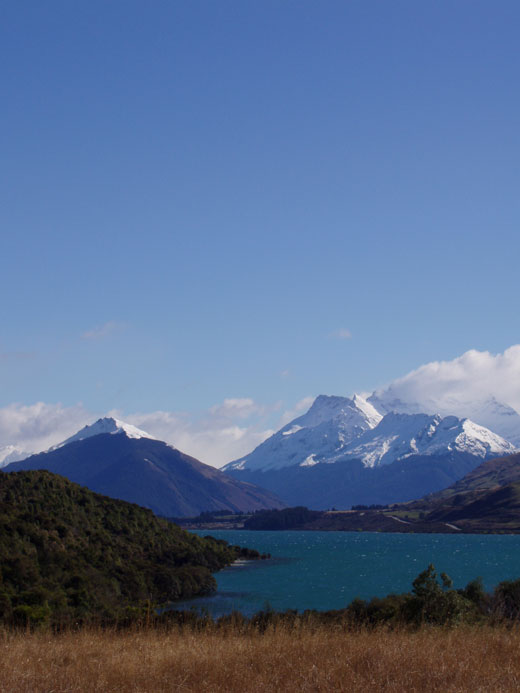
(498, 471)
(499, 508)
(69, 554)
(123, 462)
(487, 499)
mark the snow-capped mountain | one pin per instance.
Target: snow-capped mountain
(105, 425)
(399, 436)
(489, 412)
(119, 460)
(338, 428)
(344, 451)
(322, 433)
(12, 453)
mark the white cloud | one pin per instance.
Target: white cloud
(102, 330)
(342, 333)
(242, 408)
(38, 426)
(474, 376)
(215, 436)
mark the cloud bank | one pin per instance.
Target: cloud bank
(223, 433)
(475, 376)
(216, 437)
(38, 426)
(478, 385)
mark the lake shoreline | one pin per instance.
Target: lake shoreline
(327, 570)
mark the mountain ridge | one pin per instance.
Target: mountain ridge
(146, 471)
(336, 428)
(343, 452)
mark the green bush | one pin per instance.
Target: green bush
(506, 600)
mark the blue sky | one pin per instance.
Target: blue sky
(261, 201)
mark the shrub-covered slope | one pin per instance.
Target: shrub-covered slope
(68, 553)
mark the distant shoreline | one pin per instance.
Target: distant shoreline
(401, 519)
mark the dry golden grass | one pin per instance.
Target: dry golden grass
(464, 659)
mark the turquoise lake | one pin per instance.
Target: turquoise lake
(326, 570)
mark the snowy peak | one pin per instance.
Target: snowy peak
(340, 429)
(399, 436)
(355, 411)
(12, 453)
(372, 414)
(324, 431)
(105, 425)
(488, 411)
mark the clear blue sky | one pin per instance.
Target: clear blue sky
(197, 197)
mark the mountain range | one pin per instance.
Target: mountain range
(121, 461)
(488, 411)
(346, 451)
(379, 449)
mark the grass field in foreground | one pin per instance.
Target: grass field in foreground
(429, 659)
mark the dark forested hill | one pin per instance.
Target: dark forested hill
(67, 553)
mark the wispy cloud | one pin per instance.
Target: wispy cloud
(38, 426)
(236, 407)
(342, 333)
(102, 331)
(17, 355)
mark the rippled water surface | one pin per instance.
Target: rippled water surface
(326, 570)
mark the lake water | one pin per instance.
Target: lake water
(326, 570)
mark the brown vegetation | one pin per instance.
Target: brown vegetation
(299, 658)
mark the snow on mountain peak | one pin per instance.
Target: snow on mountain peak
(486, 411)
(332, 407)
(399, 436)
(372, 414)
(324, 430)
(12, 453)
(106, 425)
(340, 429)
